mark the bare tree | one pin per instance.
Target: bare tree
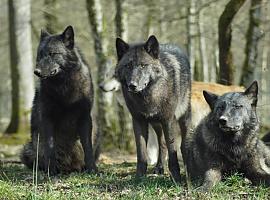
(118, 18)
(192, 34)
(252, 37)
(124, 136)
(203, 51)
(149, 18)
(21, 64)
(14, 122)
(95, 20)
(226, 74)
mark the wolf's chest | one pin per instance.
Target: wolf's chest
(146, 106)
(233, 158)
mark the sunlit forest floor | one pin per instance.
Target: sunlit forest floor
(116, 180)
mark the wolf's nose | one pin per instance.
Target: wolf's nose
(223, 120)
(101, 86)
(37, 72)
(54, 71)
(132, 86)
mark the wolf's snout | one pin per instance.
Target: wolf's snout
(223, 120)
(132, 86)
(101, 86)
(37, 72)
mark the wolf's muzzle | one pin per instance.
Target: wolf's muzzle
(37, 72)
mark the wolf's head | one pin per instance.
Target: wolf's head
(235, 111)
(55, 54)
(110, 83)
(138, 65)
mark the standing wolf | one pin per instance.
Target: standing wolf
(61, 113)
(156, 85)
(226, 140)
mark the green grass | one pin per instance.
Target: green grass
(115, 182)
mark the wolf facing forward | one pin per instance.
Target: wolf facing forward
(226, 140)
(156, 83)
(61, 123)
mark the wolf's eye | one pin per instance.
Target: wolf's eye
(53, 53)
(221, 107)
(238, 106)
(145, 65)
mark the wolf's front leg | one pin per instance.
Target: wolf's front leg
(85, 133)
(258, 171)
(212, 177)
(169, 128)
(257, 167)
(162, 149)
(49, 147)
(140, 127)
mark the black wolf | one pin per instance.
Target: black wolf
(156, 84)
(226, 140)
(61, 123)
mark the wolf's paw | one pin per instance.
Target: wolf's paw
(140, 174)
(91, 169)
(176, 177)
(158, 170)
(203, 189)
(52, 170)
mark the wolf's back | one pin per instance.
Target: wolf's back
(177, 65)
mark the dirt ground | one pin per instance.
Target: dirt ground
(10, 153)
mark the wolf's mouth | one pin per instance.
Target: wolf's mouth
(52, 74)
(229, 129)
(139, 90)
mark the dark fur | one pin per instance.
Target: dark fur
(61, 123)
(226, 140)
(266, 139)
(156, 85)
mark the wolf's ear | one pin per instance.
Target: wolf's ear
(210, 98)
(152, 46)
(252, 92)
(68, 37)
(43, 34)
(121, 48)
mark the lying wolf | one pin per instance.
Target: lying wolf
(156, 85)
(61, 122)
(226, 140)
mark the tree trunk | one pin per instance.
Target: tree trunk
(252, 37)
(118, 18)
(95, 20)
(15, 106)
(21, 64)
(125, 133)
(265, 67)
(226, 75)
(51, 21)
(216, 67)
(192, 34)
(203, 51)
(148, 19)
